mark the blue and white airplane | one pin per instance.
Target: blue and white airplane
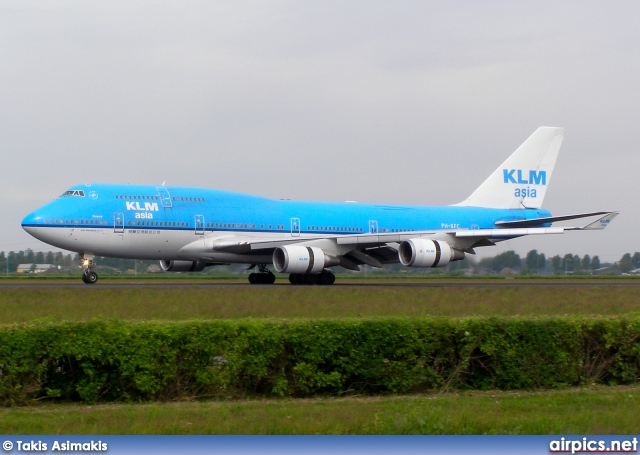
(188, 229)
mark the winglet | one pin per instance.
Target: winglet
(600, 223)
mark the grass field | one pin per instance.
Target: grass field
(605, 410)
(234, 301)
(597, 410)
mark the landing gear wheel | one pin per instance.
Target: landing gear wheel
(296, 278)
(264, 277)
(323, 278)
(92, 277)
(88, 276)
(326, 277)
(310, 278)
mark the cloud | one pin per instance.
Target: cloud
(394, 102)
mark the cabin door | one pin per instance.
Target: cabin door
(199, 223)
(295, 227)
(118, 223)
(165, 197)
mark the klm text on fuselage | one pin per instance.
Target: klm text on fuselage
(143, 211)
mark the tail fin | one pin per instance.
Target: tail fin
(522, 180)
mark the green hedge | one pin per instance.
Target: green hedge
(128, 361)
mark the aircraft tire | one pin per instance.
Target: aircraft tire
(84, 278)
(310, 278)
(296, 278)
(91, 277)
(326, 277)
(262, 278)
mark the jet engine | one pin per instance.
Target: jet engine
(182, 266)
(301, 259)
(427, 253)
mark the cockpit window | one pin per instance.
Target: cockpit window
(79, 193)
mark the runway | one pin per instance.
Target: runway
(280, 285)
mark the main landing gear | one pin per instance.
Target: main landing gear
(322, 278)
(264, 276)
(89, 276)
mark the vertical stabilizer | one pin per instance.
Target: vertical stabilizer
(522, 180)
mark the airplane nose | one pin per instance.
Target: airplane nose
(30, 223)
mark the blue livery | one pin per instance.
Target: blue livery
(188, 229)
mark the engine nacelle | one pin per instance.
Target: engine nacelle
(299, 259)
(182, 266)
(427, 253)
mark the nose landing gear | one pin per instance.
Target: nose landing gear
(89, 276)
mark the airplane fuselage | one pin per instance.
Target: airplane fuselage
(148, 222)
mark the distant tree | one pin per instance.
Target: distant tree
(68, 261)
(29, 257)
(13, 261)
(585, 264)
(567, 263)
(507, 259)
(531, 262)
(577, 263)
(625, 263)
(32, 269)
(542, 261)
(39, 257)
(455, 266)
(556, 264)
(49, 258)
(595, 263)
(485, 264)
(635, 259)
(59, 259)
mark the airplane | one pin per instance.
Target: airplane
(188, 229)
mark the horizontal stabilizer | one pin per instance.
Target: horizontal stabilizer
(600, 223)
(513, 231)
(508, 233)
(550, 219)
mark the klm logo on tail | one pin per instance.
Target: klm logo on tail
(519, 177)
(535, 177)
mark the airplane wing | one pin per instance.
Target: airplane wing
(245, 244)
(377, 249)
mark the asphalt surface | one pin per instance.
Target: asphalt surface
(278, 285)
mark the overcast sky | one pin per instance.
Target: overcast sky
(397, 102)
